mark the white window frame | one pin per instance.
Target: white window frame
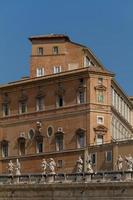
(98, 117)
(37, 149)
(40, 71)
(20, 107)
(57, 69)
(37, 104)
(4, 155)
(3, 110)
(106, 155)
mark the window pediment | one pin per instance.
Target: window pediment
(3, 142)
(100, 129)
(80, 131)
(100, 87)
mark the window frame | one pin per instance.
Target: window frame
(4, 153)
(39, 103)
(79, 134)
(55, 50)
(102, 117)
(7, 109)
(21, 103)
(40, 71)
(106, 156)
(59, 146)
(40, 51)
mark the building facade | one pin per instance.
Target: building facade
(70, 105)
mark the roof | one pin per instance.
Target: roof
(49, 36)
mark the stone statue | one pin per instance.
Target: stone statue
(119, 163)
(89, 165)
(44, 166)
(10, 167)
(79, 167)
(129, 162)
(18, 167)
(51, 166)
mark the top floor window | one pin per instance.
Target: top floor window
(40, 72)
(40, 51)
(6, 110)
(55, 50)
(57, 69)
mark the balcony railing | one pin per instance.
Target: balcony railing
(112, 176)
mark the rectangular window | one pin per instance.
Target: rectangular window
(40, 51)
(22, 107)
(5, 150)
(6, 110)
(21, 148)
(81, 98)
(100, 120)
(108, 156)
(99, 139)
(39, 72)
(60, 101)
(93, 158)
(100, 96)
(39, 146)
(57, 69)
(59, 142)
(55, 50)
(80, 140)
(40, 104)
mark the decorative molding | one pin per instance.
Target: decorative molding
(100, 129)
(100, 87)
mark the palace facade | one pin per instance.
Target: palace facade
(70, 105)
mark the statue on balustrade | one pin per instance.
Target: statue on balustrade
(129, 162)
(18, 167)
(51, 166)
(119, 163)
(79, 167)
(44, 166)
(10, 167)
(89, 167)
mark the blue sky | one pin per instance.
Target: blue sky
(105, 26)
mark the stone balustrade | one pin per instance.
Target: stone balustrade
(66, 178)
